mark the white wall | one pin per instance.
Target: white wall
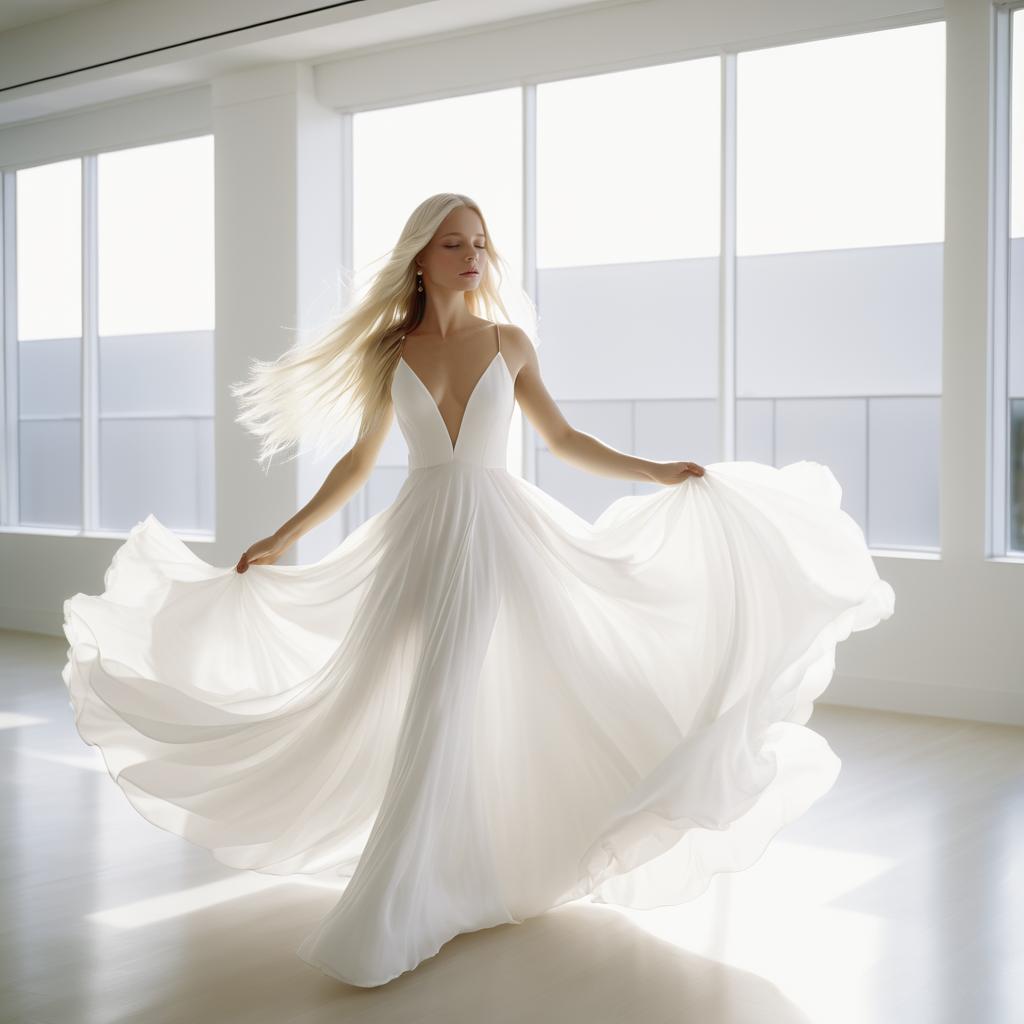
(951, 648)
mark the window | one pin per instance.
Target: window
(628, 168)
(840, 226)
(732, 257)
(47, 389)
(114, 347)
(1009, 376)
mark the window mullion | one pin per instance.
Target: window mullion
(997, 539)
(527, 438)
(9, 398)
(727, 264)
(90, 347)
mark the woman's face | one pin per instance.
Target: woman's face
(457, 247)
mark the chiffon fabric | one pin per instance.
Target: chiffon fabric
(480, 705)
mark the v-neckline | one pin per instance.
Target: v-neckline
(465, 409)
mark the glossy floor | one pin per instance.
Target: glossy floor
(892, 900)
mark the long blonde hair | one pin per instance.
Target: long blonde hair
(324, 386)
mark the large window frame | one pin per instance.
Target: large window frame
(357, 511)
(998, 546)
(90, 357)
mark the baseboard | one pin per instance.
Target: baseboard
(973, 704)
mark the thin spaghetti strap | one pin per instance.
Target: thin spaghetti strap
(498, 330)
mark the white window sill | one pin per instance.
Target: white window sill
(52, 531)
(931, 556)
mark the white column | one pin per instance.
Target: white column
(278, 231)
(963, 485)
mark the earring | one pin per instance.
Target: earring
(419, 280)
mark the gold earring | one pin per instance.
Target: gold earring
(419, 281)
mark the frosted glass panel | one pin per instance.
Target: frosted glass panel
(841, 142)
(683, 430)
(156, 238)
(833, 432)
(1016, 320)
(755, 430)
(49, 375)
(1016, 497)
(903, 480)
(49, 250)
(171, 374)
(50, 473)
(631, 343)
(853, 322)
(628, 166)
(162, 466)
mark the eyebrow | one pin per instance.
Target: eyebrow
(479, 234)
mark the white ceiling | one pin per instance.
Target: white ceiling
(15, 13)
(67, 54)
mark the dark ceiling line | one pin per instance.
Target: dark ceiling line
(184, 42)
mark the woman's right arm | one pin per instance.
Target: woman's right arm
(349, 473)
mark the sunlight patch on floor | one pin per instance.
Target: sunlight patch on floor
(776, 920)
(17, 720)
(166, 906)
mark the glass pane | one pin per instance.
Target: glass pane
(755, 430)
(903, 482)
(853, 322)
(49, 250)
(628, 166)
(50, 473)
(1015, 341)
(163, 466)
(156, 238)
(1016, 497)
(165, 373)
(49, 375)
(624, 364)
(1017, 126)
(840, 186)
(842, 142)
(831, 431)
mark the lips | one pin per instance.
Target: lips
(468, 273)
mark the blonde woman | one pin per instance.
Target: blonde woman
(479, 705)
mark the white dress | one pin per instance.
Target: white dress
(479, 705)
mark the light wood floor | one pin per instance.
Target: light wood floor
(897, 899)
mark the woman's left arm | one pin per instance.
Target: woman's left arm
(575, 446)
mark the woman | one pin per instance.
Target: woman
(479, 705)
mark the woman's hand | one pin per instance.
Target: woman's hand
(263, 552)
(674, 472)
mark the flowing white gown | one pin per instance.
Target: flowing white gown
(480, 705)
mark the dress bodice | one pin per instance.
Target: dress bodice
(483, 434)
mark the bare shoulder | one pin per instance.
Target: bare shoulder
(517, 347)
